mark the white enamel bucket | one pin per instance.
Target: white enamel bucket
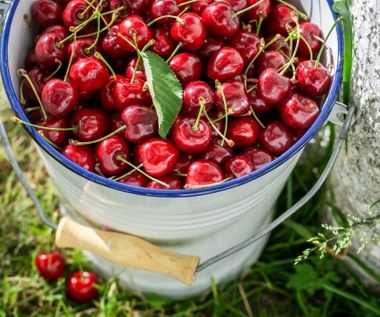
(203, 222)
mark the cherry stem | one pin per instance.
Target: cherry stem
(218, 86)
(21, 93)
(59, 62)
(234, 15)
(71, 57)
(189, 186)
(259, 24)
(339, 19)
(256, 117)
(18, 120)
(202, 103)
(229, 142)
(183, 4)
(41, 133)
(23, 73)
(300, 13)
(128, 41)
(262, 47)
(251, 88)
(308, 46)
(100, 57)
(178, 47)
(122, 159)
(292, 58)
(76, 142)
(127, 173)
(166, 16)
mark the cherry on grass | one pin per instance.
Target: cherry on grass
(50, 265)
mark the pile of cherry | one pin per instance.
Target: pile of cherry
(250, 71)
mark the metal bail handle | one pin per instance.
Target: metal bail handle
(134, 252)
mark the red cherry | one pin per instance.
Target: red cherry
(187, 67)
(46, 12)
(225, 64)
(238, 166)
(258, 156)
(126, 93)
(106, 93)
(48, 50)
(194, 94)
(50, 265)
(298, 111)
(276, 137)
(131, 71)
(210, 46)
(243, 131)
(110, 43)
(173, 181)
(273, 87)
(189, 31)
(158, 156)
(135, 179)
(191, 136)
(82, 156)
(257, 104)
(281, 44)
(81, 286)
(108, 153)
(259, 12)
(237, 102)
(133, 26)
(59, 97)
(311, 33)
(198, 6)
(76, 12)
(81, 48)
(279, 19)
(236, 5)
(313, 80)
(38, 77)
(58, 137)
(160, 8)
(90, 124)
(89, 74)
(141, 123)
(203, 173)
(219, 20)
(269, 59)
(183, 162)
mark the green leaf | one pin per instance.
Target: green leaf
(165, 90)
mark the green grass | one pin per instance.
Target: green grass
(271, 287)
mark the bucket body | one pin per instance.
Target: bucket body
(202, 222)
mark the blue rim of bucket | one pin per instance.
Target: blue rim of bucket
(54, 153)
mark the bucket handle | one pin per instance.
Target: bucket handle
(133, 252)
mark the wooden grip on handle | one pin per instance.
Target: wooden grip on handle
(126, 250)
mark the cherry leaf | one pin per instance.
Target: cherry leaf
(165, 90)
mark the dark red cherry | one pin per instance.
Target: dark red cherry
(133, 26)
(196, 93)
(258, 156)
(59, 29)
(281, 44)
(164, 44)
(236, 98)
(115, 123)
(276, 137)
(106, 93)
(243, 131)
(82, 156)
(90, 124)
(217, 153)
(81, 286)
(110, 43)
(189, 31)
(203, 173)
(279, 19)
(131, 71)
(183, 162)
(257, 104)
(298, 111)
(225, 64)
(173, 181)
(236, 5)
(89, 74)
(111, 154)
(158, 156)
(192, 136)
(269, 59)
(46, 12)
(141, 123)
(246, 43)
(238, 166)
(59, 97)
(198, 6)
(210, 46)
(219, 20)
(83, 47)
(312, 79)
(273, 87)
(38, 76)
(187, 67)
